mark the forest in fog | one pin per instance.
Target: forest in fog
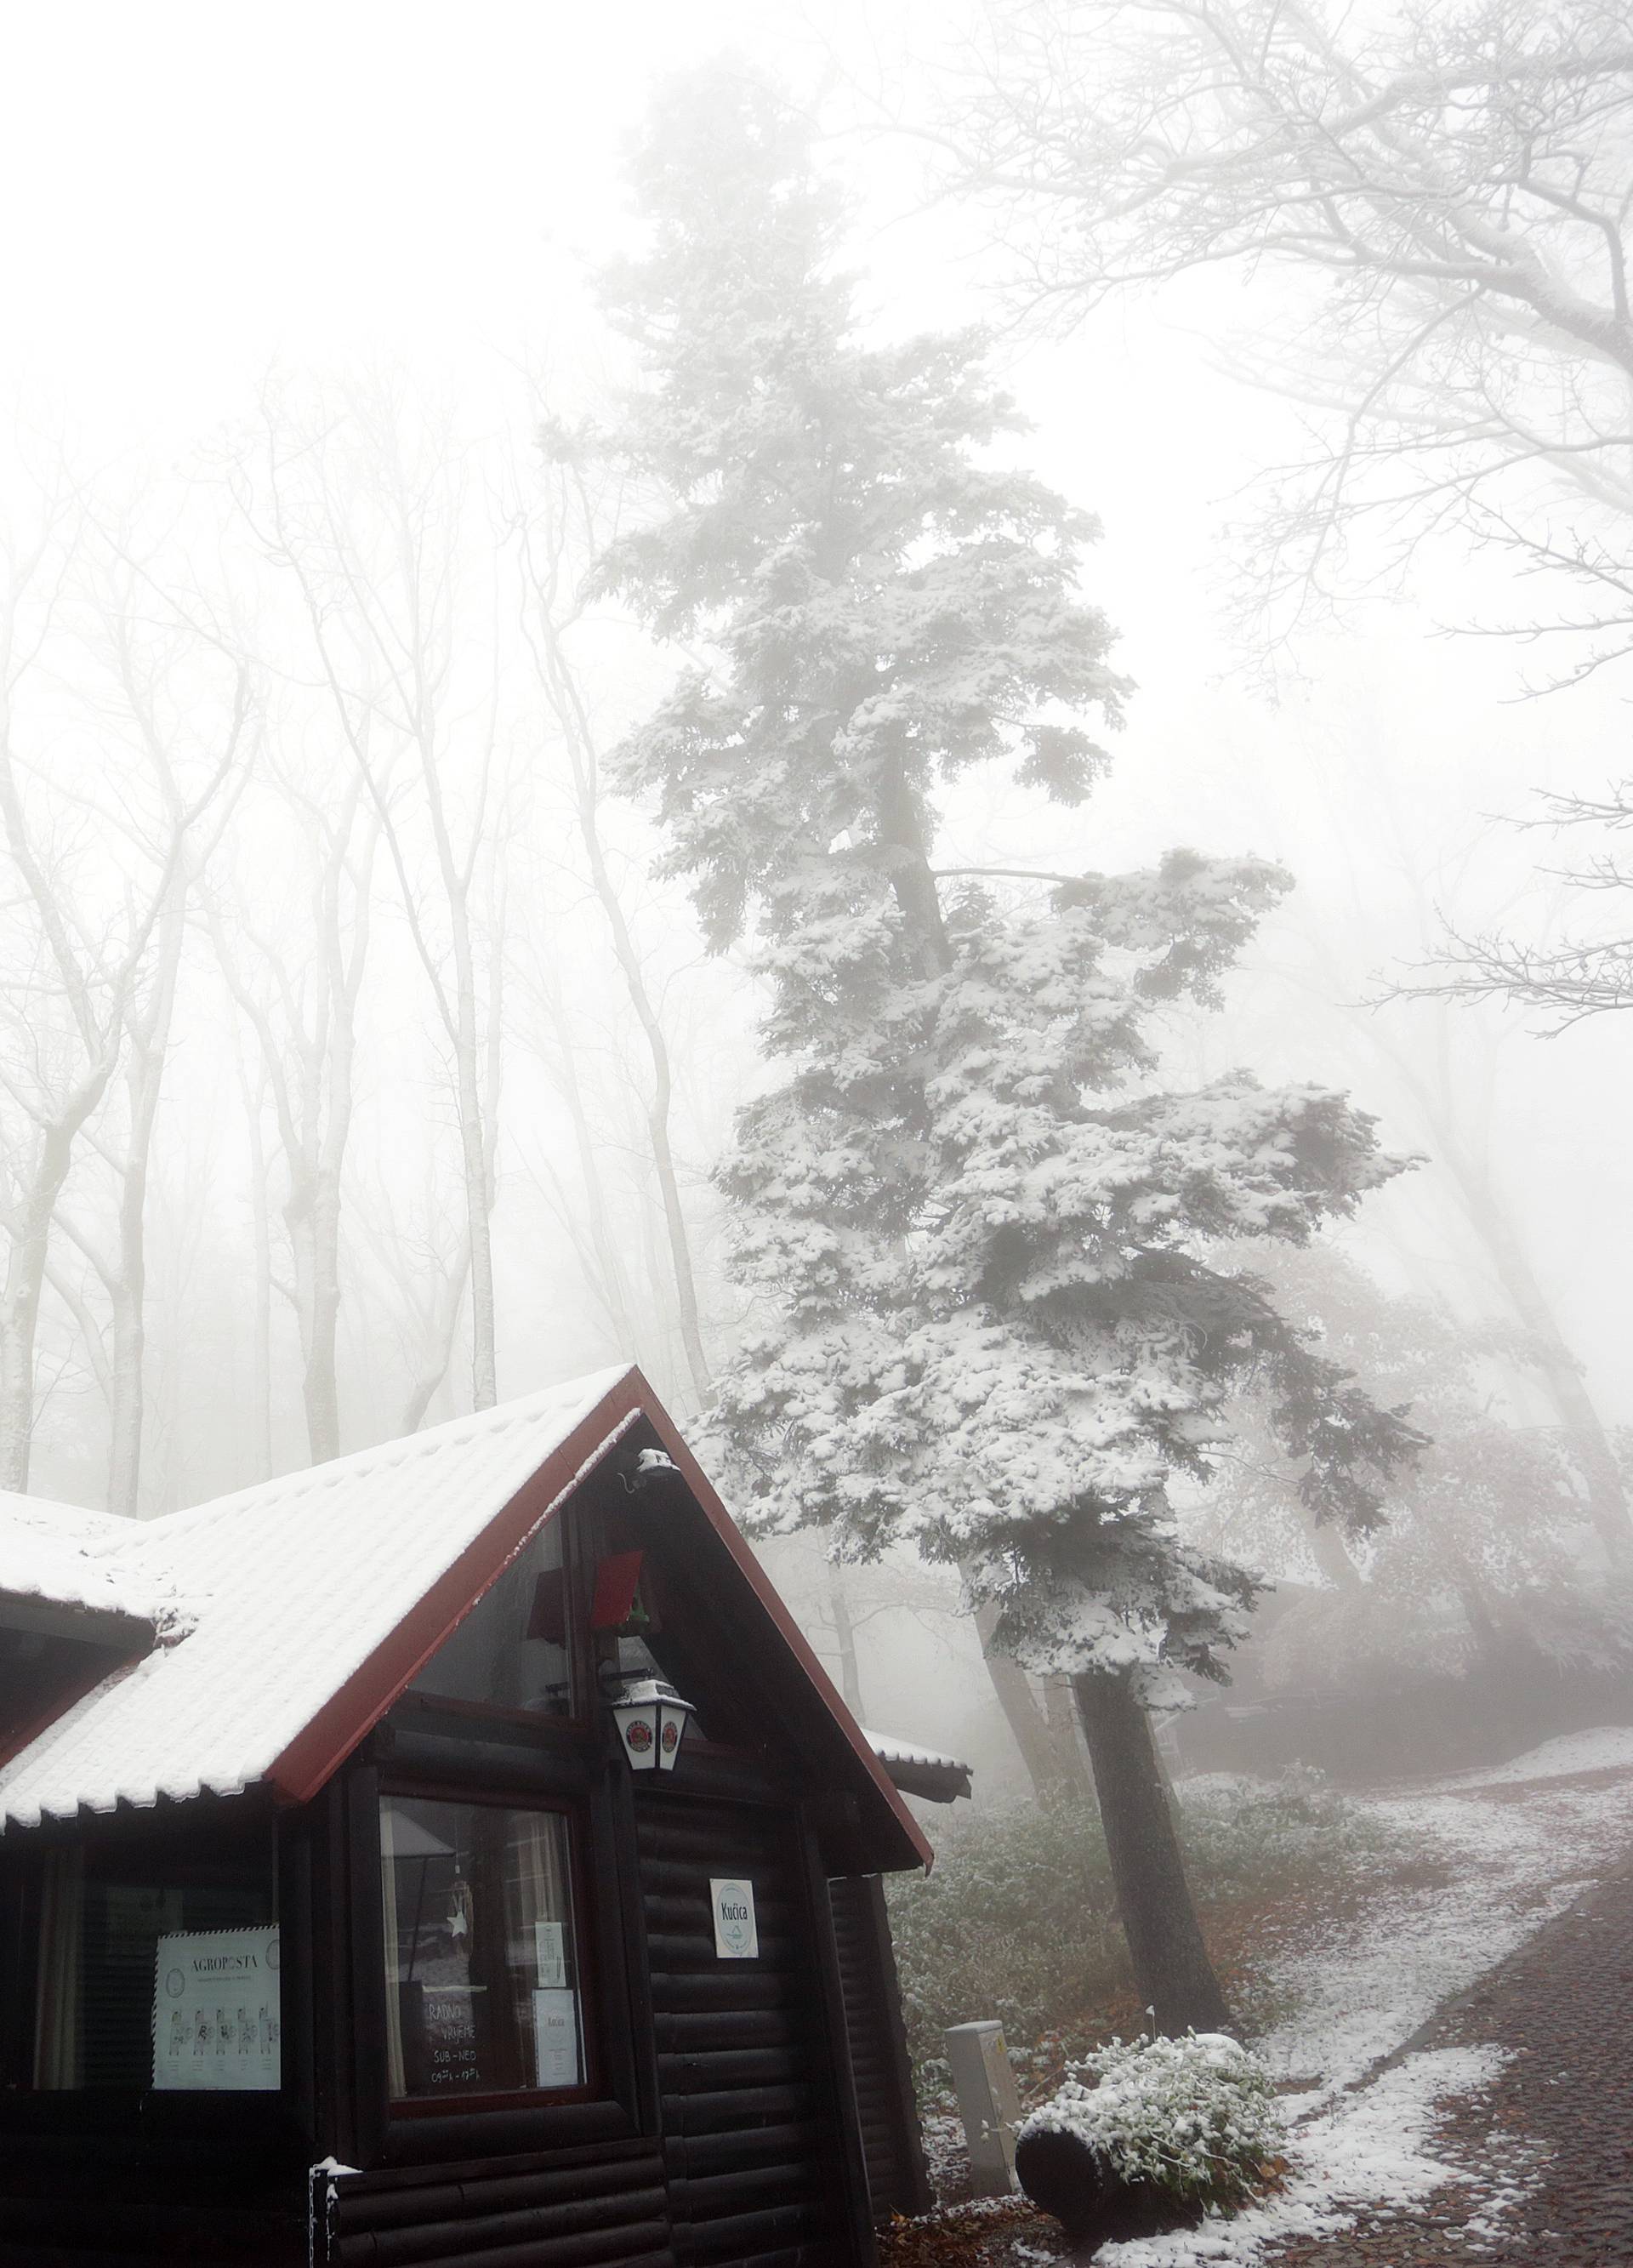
(383, 974)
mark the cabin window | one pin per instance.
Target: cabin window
(513, 1650)
(483, 1992)
(158, 1968)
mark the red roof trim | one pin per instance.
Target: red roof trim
(721, 1520)
(350, 1714)
(316, 1754)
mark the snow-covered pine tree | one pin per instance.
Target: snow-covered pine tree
(970, 1207)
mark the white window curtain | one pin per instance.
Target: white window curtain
(538, 1877)
(538, 1887)
(56, 2014)
(396, 2082)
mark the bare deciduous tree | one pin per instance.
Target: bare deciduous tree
(298, 987)
(102, 849)
(1447, 192)
(366, 505)
(560, 530)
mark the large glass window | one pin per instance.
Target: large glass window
(483, 1992)
(513, 1650)
(158, 1968)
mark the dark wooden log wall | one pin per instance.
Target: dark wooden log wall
(752, 2140)
(130, 2201)
(880, 2069)
(600, 2208)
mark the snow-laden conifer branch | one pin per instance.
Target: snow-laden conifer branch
(980, 1226)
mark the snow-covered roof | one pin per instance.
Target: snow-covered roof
(286, 1590)
(889, 1750)
(53, 1555)
(283, 1621)
(920, 1772)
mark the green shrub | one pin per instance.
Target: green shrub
(1195, 2117)
(1017, 1919)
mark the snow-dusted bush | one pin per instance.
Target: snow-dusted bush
(1197, 2116)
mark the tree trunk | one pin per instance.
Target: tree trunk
(1172, 1970)
(567, 699)
(25, 1279)
(661, 1107)
(1463, 1155)
(1561, 1374)
(261, 1334)
(445, 1322)
(845, 1637)
(1029, 1728)
(1331, 1557)
(321, 1384)
(1070, 1772)
(1171, 1963)
(145, 1074)
(475, 1159)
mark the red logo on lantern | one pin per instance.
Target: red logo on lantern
(639, 1737)
(672, 1735)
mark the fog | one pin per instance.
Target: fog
(339, 984)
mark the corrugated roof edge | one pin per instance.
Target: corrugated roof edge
(357, 1705)
(892, 1751)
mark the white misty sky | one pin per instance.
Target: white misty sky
(187, 189)
(190, 192)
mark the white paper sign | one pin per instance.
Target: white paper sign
(216, 2009)
(555, 2037)
(737, 1937)
(550, 1952)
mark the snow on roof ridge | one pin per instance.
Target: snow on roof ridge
(396, 1449)
(62, 1570)
(52, 1516)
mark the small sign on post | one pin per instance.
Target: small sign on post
(988, 2103)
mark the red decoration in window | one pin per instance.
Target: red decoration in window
(617, 1585)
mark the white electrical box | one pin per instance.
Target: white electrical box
(988, 2103)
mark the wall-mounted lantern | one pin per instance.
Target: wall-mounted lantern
(651, 1720)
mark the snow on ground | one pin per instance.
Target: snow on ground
(1522, 1841)
(1519, 1843)
(1609, 1749)
(1373, 2147)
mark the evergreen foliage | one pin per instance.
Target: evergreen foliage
(976, 1214)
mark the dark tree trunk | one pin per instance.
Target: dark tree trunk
(1172, 1971)
(1059, 1713)
(1057, 1776)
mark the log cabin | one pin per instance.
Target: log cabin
(450, 1854)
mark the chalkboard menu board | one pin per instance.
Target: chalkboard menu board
(447, 2039)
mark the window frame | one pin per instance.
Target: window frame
(411, 1788)
(578, 1718)
(258, 2114)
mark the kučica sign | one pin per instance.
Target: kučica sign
(216, 2009)
(737, 1937)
